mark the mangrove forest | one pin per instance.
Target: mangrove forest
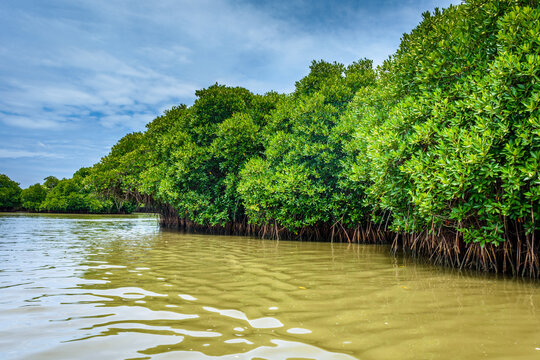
(436, 151)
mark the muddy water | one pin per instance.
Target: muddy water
(87, 287)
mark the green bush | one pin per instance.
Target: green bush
(75, 195)
(10, 193)
(33, 196)
(298, 182)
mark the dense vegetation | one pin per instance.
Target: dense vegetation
(75, 195)
(10, 193)
(455, 152)
(435, 151)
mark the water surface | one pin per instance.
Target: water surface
(116, 287)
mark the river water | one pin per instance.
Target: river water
(118, 287)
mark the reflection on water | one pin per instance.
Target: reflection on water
(78, 287)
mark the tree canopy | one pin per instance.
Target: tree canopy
(10, 193)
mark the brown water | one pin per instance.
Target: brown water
(111, 287)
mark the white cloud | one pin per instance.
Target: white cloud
(133, 122)
(29, 123)
(173, 55)
(15, 154)
(104, 85)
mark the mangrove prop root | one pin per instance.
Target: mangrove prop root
(518, 255)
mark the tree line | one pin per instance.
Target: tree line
(74, 195)
(435, 151)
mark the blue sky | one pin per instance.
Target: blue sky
(75, 76)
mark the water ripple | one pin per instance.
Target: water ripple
(119, 288)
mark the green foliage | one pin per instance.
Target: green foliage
(213, 106)
(444, 136)
(212, 141)
(33, 197)
(50, 182)
(66, 195)
(76, 196)
(117, 175)
(298, 184)
(457, 145)
(10, 193)
(190, 158)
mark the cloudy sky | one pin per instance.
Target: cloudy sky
(75, 76)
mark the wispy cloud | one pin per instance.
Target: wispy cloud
(16, 154)
(86, 83)
(26, 122)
